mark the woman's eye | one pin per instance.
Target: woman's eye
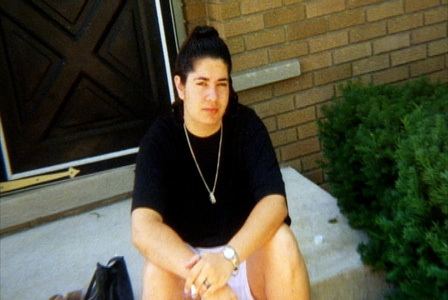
(201, 83)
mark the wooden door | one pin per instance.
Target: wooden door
(79, 78)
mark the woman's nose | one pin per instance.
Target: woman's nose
(212, 94)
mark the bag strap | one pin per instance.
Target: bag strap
(91, 293)
(90, 289)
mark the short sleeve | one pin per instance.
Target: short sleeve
(150, 172)
(264, 173)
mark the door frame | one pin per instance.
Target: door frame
(168, 18)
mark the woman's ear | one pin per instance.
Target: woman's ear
(179, 87)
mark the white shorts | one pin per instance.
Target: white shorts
(239, 282)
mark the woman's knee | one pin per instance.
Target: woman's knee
(282, 265)
(284, 242)
(284, 249)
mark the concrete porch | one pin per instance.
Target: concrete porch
(61, 256)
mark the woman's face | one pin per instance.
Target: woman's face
(205, 95)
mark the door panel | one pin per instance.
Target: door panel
(79, 78)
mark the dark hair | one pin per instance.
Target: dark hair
(203, 42)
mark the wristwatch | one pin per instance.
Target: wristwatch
(231, 255)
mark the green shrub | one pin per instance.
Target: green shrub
(386, 153)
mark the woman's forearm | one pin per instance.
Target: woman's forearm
(264, 220)
(160, 244)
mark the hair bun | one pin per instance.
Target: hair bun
(204, 31)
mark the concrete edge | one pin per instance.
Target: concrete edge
(266, 74)
(29, 208)
(20, 226)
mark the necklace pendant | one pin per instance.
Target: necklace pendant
(212, 198)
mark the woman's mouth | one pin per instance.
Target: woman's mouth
(211, 110)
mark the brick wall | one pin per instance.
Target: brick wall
(374, 41)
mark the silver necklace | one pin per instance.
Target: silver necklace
(210, 192)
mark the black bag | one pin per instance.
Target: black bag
(110, 282)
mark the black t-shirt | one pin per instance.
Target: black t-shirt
(167, 179)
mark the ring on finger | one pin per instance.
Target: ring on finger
(206, 283)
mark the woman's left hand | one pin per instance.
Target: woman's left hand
(209, 274)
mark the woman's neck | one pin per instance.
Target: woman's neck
(203, 130)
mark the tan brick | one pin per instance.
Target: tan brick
(195, 11)
(270, 123)
(358, 3)
(191, 25)
(328, 41)
(438, 47)
(405, 22)
(250, 59)
(307, 130)
(296, 117)
(283, 137)
(370, 64)
(367, 32)
(315, 61)
(391, 75)
(219, 26)
(289, 2)
(286, 51)
(332, 74)
(274, 106)
(429, 33)
(361, 79)
(319, 109)
(314, 96)
(295, 163)
(295, 84)
(255, 95)
(306, 28)
(311, 161)
(352, 52)
(277, 154)
(214, 11)
(439, 14)
(365, 79)
(323, 7)
(300, 148)
(441, 76)
(346, 19)
(340, 85)
(385, 10)
(315, 176)
(223, 10)
(265, 38)
(284, 15)
(391, 42)
(236, 45)
(325, 185)
(253, 6)
(243, 25)
(408, 55)
(427, 66)
(414, 5)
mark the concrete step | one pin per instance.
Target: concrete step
(61, 256)
(41, 204)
